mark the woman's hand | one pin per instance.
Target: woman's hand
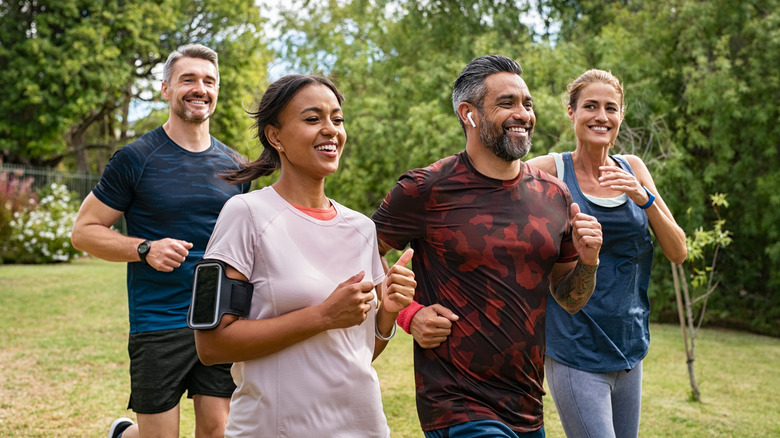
(399, 284)
(349, 303)
(618, 179)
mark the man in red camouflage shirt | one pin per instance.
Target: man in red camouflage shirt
(492, 238)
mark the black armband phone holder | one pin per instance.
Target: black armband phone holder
(214, 294)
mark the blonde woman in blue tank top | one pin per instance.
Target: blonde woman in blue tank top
(594, 358)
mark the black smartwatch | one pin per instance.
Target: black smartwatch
(143, 250)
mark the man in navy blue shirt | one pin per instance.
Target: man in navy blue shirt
(167, 187)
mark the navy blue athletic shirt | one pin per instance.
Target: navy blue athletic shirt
(611, 332)
(166, 191)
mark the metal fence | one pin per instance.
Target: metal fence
(79, 183)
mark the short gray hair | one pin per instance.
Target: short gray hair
(470, 85)
(198, 51)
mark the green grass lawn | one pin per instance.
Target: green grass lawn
(63, 366)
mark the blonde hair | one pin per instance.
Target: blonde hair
(594, 76)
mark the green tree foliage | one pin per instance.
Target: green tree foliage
(717, 83)
(732, 139)
(701, 82)
(73, 67)
(395, 62)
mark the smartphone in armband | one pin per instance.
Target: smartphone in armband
(214, 294)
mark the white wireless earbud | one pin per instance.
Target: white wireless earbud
(468, 116)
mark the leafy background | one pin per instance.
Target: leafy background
(702, 82)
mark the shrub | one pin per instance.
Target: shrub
(16, 196)
(41, 234)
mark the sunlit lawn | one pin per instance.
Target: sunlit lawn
(63, 366)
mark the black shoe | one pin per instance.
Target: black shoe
(118, 426)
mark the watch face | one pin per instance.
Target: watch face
(143, 248)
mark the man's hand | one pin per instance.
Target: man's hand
(167, 254)
(399, 285)
(432, 325)
(586, 235)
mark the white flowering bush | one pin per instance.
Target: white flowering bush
(42, 234)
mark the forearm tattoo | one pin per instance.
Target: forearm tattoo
(576, 287)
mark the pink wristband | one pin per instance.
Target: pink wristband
(404, 319)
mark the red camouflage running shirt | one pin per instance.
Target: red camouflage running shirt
(484, 248)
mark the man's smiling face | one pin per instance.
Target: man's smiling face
(508, 116)
(193, 90)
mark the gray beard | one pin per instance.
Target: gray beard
(181, 111)
(501, 145)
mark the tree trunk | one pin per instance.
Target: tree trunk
(685, 314)
(81, 155)
(76, 139)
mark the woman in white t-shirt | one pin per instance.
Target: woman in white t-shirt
(303, 355)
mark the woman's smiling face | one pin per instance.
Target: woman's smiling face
(311, 135)
(598, 115)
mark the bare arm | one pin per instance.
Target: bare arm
(236, 340)
(670, 236)
(92, 233)
(545, 163)
(572, 284)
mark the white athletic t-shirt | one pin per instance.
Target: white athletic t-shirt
(324, 386)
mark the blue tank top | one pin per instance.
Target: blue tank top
(166, 191)
(612, 331)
